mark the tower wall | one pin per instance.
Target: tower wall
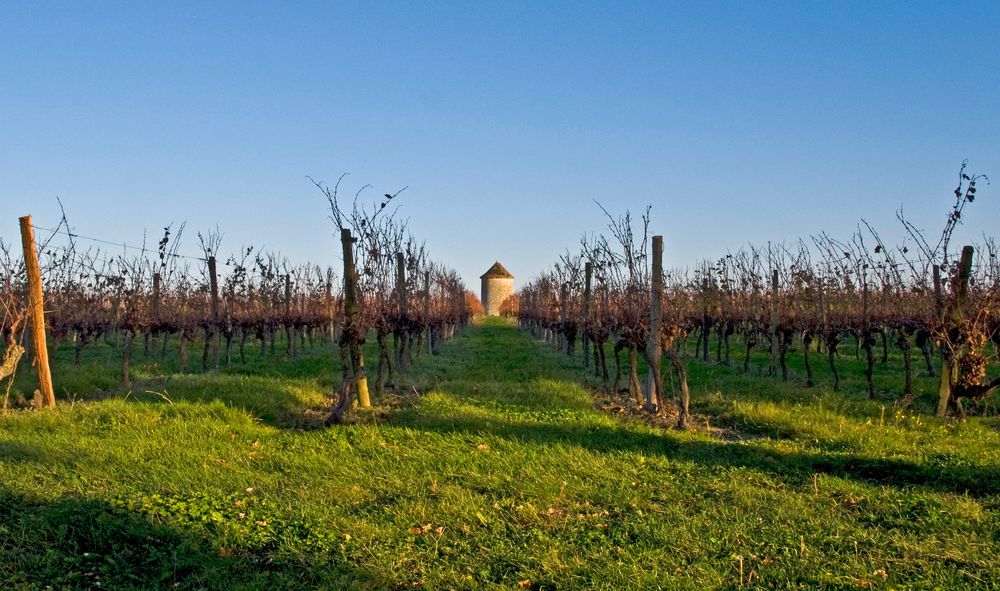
(495, 290)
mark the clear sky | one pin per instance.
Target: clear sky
(738, 121)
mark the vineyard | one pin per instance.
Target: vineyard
(821, 299)
(814, 415)
(161, 303)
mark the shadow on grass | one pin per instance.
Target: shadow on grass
(274, 401)
(796, 467)
(79, 543)
(269, 386)
(15, 452)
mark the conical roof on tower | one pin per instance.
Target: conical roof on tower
(497, 271)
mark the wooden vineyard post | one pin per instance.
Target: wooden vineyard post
(427, 311)
(353, 318)
(964, 274)
(588, 273)
(352, 365)
(402, 302)
(156, 304)
(706, 330)
(118, 315)
(654, 353)
(213, 285)
(824, 320)
(303, 334)
(866, 332)
(949, 356)
(36, 311)
(563, 315)
(329, 308)
(774, 322)
(289, 329)
(944, 385)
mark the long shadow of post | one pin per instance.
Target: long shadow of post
(79, 543)
(797, 468)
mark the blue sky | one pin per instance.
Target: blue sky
(738, 121)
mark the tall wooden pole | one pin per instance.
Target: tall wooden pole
(155, 313)
(654, 351)
(705, 320)
(156, 298)
(213, 285)
(329, 306)
(289, 328)
(563, 317)
(402, 302)
(36, 311)
(588, 274)
(352, 317)
(944, 384)
(964, 274)
(774, 322)
(401, 297)
(866, 331)
(823, 310)
(427, 310)
(949, 356)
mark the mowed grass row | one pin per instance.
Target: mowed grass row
(500, 475)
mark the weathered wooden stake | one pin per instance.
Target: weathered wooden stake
(654, 393)
(36, 311)
(427, 310)
(588, 273)
(944, 384)
(706, 321)
(213, 284)
(949, 356)
(352, 313)
(289, 329)
(402, 302)
(824, 319)
(774, 322)
(156, 302)
(866, 333)
(329, 307)
(563, 317)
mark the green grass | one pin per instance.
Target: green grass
(501, 475)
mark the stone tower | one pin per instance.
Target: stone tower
(498, 285)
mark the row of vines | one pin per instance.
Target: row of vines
(937, 307)
(211, 311)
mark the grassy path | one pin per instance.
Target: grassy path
(501, 476)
